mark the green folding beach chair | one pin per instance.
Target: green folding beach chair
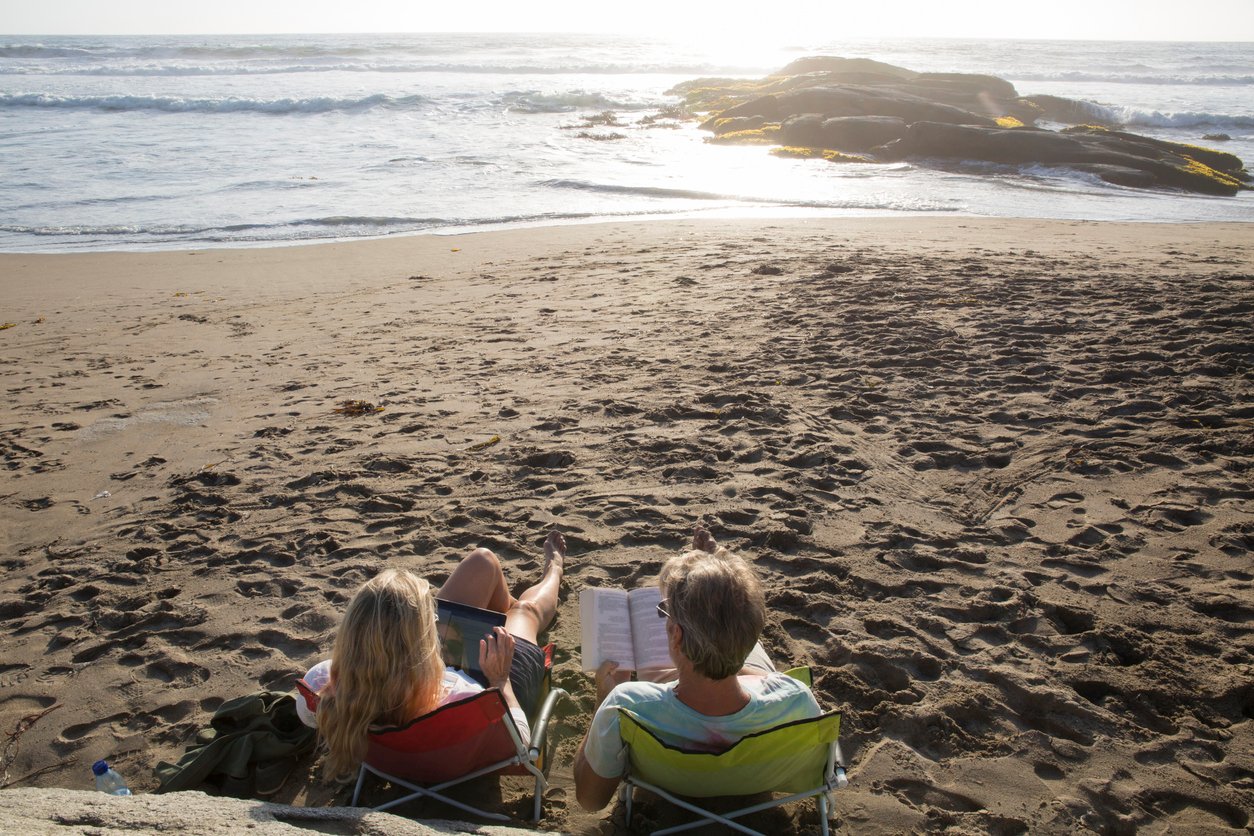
(801, 758)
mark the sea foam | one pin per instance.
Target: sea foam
(229, 104)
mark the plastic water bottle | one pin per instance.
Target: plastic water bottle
(317, 678)
(107, 780)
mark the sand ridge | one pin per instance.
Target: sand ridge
(994, 473)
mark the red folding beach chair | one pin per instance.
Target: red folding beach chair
(456, 743)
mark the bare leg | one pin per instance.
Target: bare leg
(478, 582)
(535, 609)
(703, 540)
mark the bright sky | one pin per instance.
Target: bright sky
(1212, 20)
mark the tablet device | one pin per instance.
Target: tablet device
(460, 628)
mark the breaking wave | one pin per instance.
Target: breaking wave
(536, 102)
(1141, 117)
(229, 104)
(904, 204)
(389, 67)
(1217, 79)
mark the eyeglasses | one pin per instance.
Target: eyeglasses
(662, 611)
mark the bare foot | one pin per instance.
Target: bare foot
(703, 540)
(554, 552)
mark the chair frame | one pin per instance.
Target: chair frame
(834, 778)
(526, 760)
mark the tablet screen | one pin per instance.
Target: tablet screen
(460, 628)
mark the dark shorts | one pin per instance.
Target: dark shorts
(526, 675)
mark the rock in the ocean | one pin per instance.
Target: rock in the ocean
(855, 100)
(836, 64)
(1108, 154)
(843, 133)
(734, 124)
(858, 110)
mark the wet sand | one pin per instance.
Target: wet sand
(996, 475)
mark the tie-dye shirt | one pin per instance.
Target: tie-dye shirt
(773, 700)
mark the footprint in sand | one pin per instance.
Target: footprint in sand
(1062, 500)
(177, 674)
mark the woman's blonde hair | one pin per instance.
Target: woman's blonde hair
(386, 667)
(717, 601)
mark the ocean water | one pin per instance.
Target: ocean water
(174, 142)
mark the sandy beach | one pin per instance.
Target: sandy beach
(995, 474)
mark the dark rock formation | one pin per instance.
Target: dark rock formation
(851, 100)
(856, 100)
(834, 64)
(967, 84)
(1125, 159)
(847, 133)
(828, 107)
(739, 123)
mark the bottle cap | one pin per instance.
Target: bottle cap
(100, 767)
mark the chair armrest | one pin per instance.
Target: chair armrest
(542, 722)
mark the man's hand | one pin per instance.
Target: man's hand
(607, 677)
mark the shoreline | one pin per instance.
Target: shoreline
(714, 217)
(994, 473)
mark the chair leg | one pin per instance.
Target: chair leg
(361, 779)
(821, 801)
(627, 792)
(434, 792)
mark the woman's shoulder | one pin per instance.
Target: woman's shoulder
(457, 686)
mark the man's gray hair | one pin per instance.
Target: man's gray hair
(717, 601)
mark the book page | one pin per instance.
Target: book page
(648, 629)
(605, 628)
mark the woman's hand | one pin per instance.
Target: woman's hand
(607, 677)
(496, 654)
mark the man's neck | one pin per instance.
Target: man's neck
(711, 697)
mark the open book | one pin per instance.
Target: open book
(623, 627)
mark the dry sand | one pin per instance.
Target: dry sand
(996, 475)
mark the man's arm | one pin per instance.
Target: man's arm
(592, 791)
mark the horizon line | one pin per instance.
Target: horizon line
(604, 34)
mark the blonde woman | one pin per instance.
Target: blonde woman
(386, 666)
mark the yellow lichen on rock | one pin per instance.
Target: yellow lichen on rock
(1009, 122)
(718, 95)
(840, 157)
(765, 135)
(797, 152)
(1198, 169)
